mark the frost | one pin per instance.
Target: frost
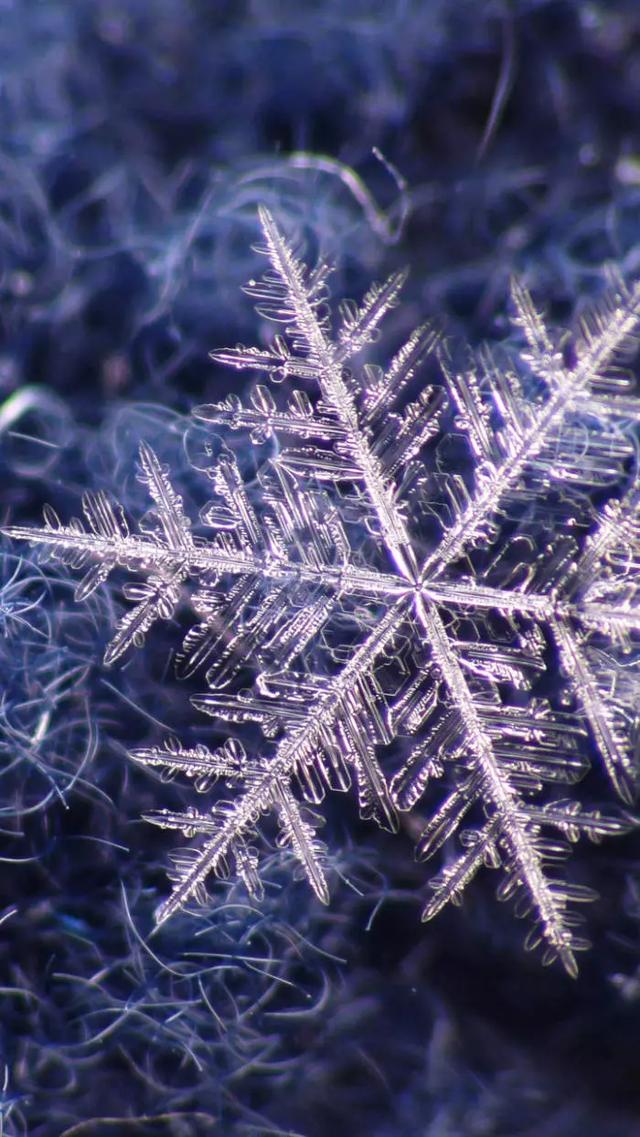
(487, 657)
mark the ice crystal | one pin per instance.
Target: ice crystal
(389, 618)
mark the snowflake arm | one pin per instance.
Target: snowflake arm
(307, 753)
(531, 438)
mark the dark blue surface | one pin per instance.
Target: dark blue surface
(136, 139)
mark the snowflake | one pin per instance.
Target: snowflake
(390, 613)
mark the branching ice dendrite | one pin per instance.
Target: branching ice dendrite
(369, 653)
